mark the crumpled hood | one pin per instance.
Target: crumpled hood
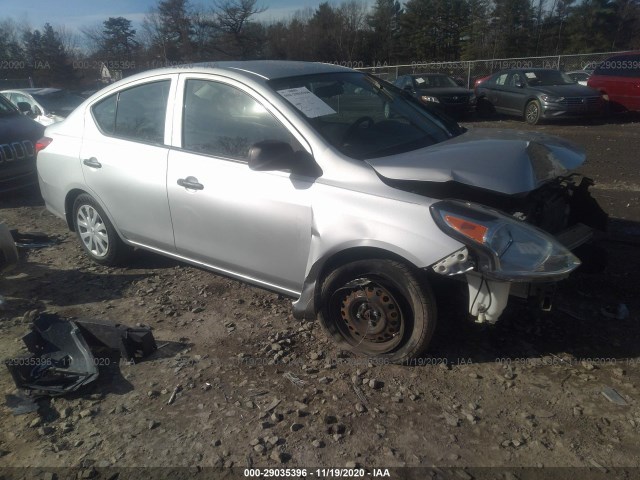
(504, 161)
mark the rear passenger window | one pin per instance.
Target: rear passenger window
(137, 113)
(224, 121)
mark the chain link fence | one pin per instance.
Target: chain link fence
(467, 72)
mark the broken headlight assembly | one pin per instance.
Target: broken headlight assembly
(505, 248)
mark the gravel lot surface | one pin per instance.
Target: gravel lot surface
(259, 388)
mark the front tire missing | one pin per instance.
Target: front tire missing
(378, 308)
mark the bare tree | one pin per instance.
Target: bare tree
(233, 19)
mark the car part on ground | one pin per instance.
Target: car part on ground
(317, 183)
(132, 343)
(33, 239)
(61, 359)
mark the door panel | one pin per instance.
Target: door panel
(248, 223)
(254, 224)
(128, 175)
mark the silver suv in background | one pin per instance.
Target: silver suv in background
(321, 183)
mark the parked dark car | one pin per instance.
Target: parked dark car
(536, 94)
(439, 91)
(18, 137)
(618, 79)
(579, 76)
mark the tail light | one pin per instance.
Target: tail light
(42, 144)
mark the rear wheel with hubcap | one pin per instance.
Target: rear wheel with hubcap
(378, 308)
(97, 235)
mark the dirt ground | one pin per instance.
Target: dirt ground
(257, 388)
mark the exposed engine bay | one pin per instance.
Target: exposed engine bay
(562, 207)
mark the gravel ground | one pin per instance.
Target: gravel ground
(257, 388)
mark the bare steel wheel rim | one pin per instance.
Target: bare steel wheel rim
(93, 231)
(532, 112)
(369, 317)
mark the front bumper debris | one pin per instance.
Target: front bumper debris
(62, 360)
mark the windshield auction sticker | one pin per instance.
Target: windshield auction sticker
(306, 102)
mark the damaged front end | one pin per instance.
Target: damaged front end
(518, 210)
(500, 252)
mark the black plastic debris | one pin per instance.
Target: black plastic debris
(21, 403)
(33, 240)
(60, 360)
(132, 343)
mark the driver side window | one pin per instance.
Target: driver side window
(221, 120)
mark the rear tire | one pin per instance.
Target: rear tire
(378, 308)
(98, 237)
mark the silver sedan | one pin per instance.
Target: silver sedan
(321, 183)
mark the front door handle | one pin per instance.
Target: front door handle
(92, 162)
(190, 183)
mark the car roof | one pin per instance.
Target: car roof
(269, 69)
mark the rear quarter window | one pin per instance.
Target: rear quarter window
(137, 113)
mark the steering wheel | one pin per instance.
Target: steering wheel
(355, 125)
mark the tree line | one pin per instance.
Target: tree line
(352, 32)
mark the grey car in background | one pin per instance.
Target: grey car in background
(440, 92)
(535, 94)
(324, 184)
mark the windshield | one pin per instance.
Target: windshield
(361, 116)
(6, 107)
(61, 102)
(547, 78)
(434, 81)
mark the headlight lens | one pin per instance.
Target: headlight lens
(507, 249)
(426, 98)
(551, 99)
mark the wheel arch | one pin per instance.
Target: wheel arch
(68, 209)
(68, 205)
(306, 307)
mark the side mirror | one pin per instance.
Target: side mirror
(519, 84)
(408, 88)
(271, 155)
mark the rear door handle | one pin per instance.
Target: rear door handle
(190, 183)
(92, 162)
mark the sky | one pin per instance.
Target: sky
(75, 14)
